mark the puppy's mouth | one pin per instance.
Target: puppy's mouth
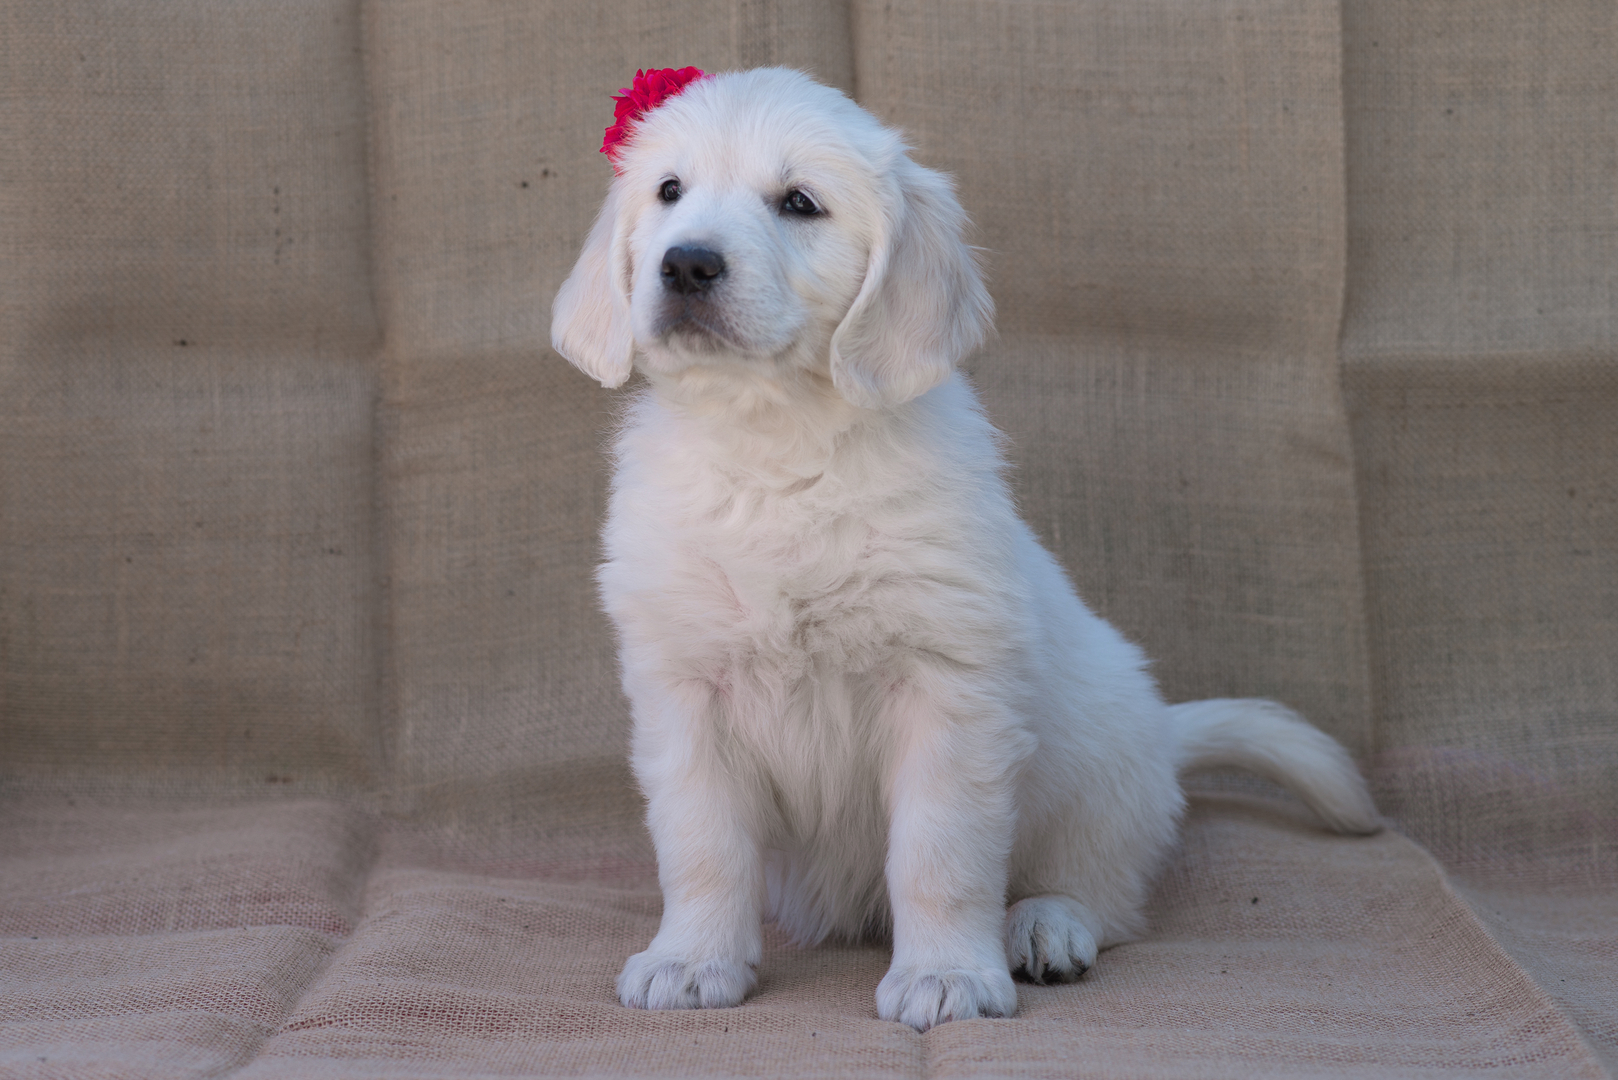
(696, 326)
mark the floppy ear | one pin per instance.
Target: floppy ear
(922, 306)
(590, 317)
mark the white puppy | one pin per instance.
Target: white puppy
(866, 700)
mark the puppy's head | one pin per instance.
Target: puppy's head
(761, 220)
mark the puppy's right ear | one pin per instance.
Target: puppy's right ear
(922, 306)
(590, 317)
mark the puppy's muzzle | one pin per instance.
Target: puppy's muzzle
(688, 270)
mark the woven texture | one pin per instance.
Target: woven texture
(312, 758)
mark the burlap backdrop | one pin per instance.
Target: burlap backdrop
(310, 741)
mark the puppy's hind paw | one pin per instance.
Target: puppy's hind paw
(650, 981)
(924, 999)
(1047, 939)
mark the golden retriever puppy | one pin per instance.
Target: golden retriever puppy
(867, 702)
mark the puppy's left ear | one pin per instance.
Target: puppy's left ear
(922, 307)
(590, 317)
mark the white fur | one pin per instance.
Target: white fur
(866, 701)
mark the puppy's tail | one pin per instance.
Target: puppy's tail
(1277, 744)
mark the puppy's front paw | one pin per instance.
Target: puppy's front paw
(1046, 939)
(653, 981)
(923, 997)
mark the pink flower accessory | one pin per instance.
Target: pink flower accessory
(651, 89)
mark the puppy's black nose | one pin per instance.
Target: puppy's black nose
(691, 269)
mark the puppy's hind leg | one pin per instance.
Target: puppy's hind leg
(1081, 872)
(1050, 938)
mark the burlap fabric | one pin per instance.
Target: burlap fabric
(311, 749)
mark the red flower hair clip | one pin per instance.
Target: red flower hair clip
(651, 89)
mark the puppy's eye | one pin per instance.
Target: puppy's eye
(670, 190)
(797, 202)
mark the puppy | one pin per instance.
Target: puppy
(867, 703)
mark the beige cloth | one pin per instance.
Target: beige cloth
(311, 750)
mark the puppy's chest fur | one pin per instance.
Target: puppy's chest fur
(798, 592)
(734, 554)
(780, 581)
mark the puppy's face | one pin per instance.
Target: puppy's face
(761, 220)
(748, 228)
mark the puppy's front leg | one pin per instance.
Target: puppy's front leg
(708, 863)
(952, 816)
